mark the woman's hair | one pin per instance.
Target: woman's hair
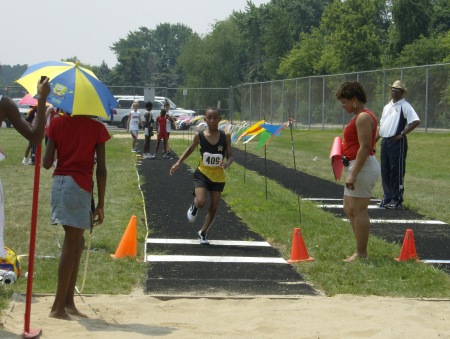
(149, 105)
(352, 89)
(163, 111)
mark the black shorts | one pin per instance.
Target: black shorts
(201, 180)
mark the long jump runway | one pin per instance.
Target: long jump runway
(432, 237)
(237, 263)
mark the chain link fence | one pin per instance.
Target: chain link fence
(311, 101)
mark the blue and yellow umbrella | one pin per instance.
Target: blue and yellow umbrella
(74, 89)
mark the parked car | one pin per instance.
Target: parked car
(23, 109)
(125, 104)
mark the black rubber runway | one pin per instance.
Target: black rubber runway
(432, 237)
(239, 262)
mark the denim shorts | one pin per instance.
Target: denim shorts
(70, 204)
(366, 178)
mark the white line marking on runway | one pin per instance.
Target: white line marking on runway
(432, 261)
(202, 258)
(370, 207)
(403, 221)
(332, 199)
(212, 242)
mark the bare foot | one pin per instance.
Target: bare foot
(60, 315)
(74, 311)
(356, 256)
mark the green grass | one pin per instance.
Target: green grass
(327, 238)
(123, 199)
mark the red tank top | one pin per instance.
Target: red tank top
(351, 144)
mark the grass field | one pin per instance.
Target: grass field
(427, 187)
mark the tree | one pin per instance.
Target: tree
(249, 24)
(349, 38)
(214, 60)
(103, 73)
(425, 51)
(301, 60)
(148, 57)
(284, 22)
(440, 19)
(411, 18)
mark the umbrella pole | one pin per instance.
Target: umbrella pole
(34, 211)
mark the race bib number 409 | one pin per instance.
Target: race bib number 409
(212, 160)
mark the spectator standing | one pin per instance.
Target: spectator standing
(80, 141)
(134, 123)
(148, 131)
(362, 168)
(170, 125)
(398, 119)
(161, 127)
(30, 147)
(209, 176)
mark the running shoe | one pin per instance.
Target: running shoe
(203, 238)
(192, 213)
(24, 161)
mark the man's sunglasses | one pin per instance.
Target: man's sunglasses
(396, 89)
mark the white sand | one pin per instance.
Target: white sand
(140, 316)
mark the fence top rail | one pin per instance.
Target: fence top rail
(343, 74)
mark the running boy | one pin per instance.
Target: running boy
(215, 145)
(133, 124)
(78, 140)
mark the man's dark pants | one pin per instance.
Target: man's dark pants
(393, 161)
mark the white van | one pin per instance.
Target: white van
(121, 112)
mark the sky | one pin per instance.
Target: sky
(32, 31)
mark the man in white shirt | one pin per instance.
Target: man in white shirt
(398, 119)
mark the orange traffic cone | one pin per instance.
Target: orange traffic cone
(128, 245)
(299, 251)
(408, 250)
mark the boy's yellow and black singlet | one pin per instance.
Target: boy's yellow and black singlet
(211, 156)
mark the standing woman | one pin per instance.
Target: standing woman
(362, 168)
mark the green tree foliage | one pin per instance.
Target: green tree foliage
(349, 39)
(9, 74)
(301, 60)
(148, 57)
(250, 25)
(426, 51)
(212, 61)
(411, 18)
(440, 20)
(284, 22)
(270, 31)
(103, 73)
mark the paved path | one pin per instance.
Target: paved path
(238, 262)
(432, 237)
